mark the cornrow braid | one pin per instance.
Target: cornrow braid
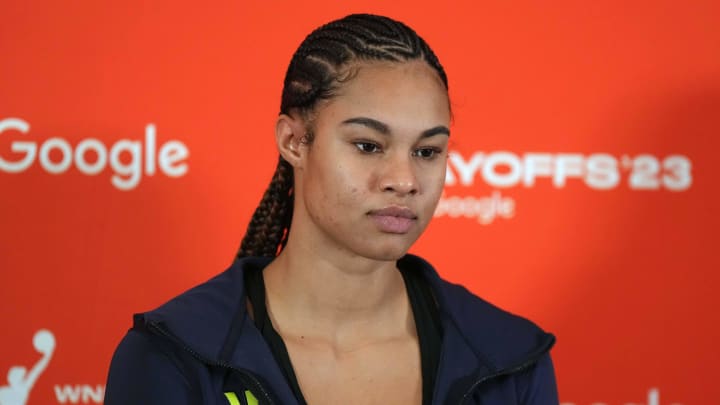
(319, 62)
(268, 229)
(319, 66)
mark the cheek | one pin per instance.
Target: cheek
(347, 185)
(434, 181)
(332, 190)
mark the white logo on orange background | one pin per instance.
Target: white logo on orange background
(20, 381)
(597, 171)
(653, 398)
(145, 158)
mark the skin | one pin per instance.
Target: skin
(334, 293)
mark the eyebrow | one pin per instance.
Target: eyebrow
(384, 129)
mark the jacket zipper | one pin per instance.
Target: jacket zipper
(500, 373)
(254, 384)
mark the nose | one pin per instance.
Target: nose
(399, 177)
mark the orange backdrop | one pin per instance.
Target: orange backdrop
(136, 139)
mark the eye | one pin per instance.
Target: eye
(368, 147)
(427, 153)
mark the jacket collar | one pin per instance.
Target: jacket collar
(211, 320)
(479, 339)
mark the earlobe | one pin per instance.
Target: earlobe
(289, 133)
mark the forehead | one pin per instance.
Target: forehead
(407, 95)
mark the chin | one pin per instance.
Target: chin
(388, 257)
(383, 250)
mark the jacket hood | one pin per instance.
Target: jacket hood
(479, 339)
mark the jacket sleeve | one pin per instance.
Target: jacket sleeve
(142, 371)
(537, 385)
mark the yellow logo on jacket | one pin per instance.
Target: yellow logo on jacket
(233, 399)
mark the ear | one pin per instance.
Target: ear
(289, 134)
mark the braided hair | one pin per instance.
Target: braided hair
(317, 69)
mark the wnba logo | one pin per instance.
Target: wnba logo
(125, 156)
(20, 380)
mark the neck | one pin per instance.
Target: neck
(335, 297)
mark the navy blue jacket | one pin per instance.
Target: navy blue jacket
(203, 348)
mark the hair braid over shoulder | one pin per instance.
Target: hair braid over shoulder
(268, 228)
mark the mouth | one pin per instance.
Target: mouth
(393, 219)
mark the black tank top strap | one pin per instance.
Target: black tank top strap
(255, 286)
(428, 325)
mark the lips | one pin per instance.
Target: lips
(393, 219)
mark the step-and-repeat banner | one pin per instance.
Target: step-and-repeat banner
(136, 138)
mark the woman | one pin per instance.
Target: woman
(323, 304)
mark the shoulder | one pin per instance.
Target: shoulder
(161, 355)
(145, 369)
(501, 338)
(202, 317)
(483, 342)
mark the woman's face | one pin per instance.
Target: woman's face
(371, 178)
